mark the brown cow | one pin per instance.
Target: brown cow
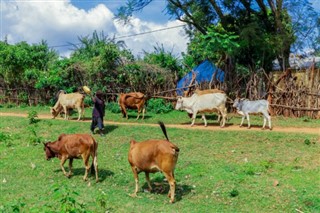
(132, 100)
(152, 156)
(74, 146)
(68, 101)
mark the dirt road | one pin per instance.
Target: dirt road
(187, 126)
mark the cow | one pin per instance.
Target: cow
(203, 104)
(132, 100)
(67, 101)
(207, 91)
(152, 156)
(245, 106)
(74, 146)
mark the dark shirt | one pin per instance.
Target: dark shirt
(99, 107)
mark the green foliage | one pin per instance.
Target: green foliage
(113, 107)
(234, 193)
(5, 139)
(15, 206)
(33, 137)
(158, 106)
(32, 116)
(307, 142)
(68, 200)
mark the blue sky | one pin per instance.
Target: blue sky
(61, 22)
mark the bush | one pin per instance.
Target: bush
(113, 107)
(4, 138)
(159, 106)
(33, 115)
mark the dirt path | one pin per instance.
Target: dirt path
(187, 126)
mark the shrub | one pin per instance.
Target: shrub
(113, 107)
(4, 138)
(32, 115)
(159, 106)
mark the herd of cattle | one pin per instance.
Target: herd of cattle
(152, 155)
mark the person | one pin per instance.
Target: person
(98, 113)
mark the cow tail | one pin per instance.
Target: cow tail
(163, 129)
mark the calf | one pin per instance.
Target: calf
(244, 107)
(74, 146)
(152, 156)
(132, 100)
(68, 101)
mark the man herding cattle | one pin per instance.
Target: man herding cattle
(98, 113)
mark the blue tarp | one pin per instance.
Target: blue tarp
(204, 72)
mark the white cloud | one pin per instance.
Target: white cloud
(60, 23)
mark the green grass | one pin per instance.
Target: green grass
(216, 171)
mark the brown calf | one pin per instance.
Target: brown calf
(132, 100)
(74, 146)
(152, 156)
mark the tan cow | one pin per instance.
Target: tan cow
(132, 100)
(152, 156)
(68, 101)
(74, 146)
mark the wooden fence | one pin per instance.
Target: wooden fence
(291, 93)
(295, 93)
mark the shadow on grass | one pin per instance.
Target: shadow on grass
(161, 186)
(102, 173)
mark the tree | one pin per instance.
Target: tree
(272, 19)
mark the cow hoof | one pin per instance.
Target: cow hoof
(262, 129)
(133, 195)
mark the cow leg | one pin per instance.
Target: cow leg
(79, 113)
(62, 161)
(242, 120)
(136, 179)
(143, 112)
(264, 122)
(70, 167)
(148, 181)
(194, 115)
(248, 118)
(172, 183)
(87, 167)
(95, 164)
(203, 117)
(124, 111)
(65, 112)
(138, 113)
(269, 122)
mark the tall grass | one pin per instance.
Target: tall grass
(216, 171)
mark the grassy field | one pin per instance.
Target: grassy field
(247, 171)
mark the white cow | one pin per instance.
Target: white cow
(244, 107)
(202, 104)
(68, 101)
